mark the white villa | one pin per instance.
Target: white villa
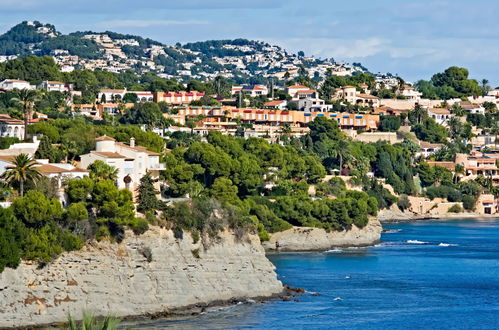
(11, 127)
(10, 84)
(132, 161)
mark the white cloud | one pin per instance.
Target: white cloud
(148, 23)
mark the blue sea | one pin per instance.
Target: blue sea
(423, 275)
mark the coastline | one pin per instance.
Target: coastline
(448, 216)
(309, 239)
(151, 275)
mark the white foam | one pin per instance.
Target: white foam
(446, 244)
(392, 231)
(335, 250)
(415, 241)
(338, 298)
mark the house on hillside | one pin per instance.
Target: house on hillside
(276, 104)
(132, 161)
(441, 115)
(11, 127)
(10, 84)
(54, 86)
(251, 90)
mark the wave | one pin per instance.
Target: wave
(415, 241)
(392, 231)
(335, 250)
(446, 244)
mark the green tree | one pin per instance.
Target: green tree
(26, 98)
(12, 234)
(101, 171)
(23, 170)
(147, 200)
(35, 210)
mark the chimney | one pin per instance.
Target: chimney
(132, 142)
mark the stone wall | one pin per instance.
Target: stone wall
(317, 239)
(126, 280)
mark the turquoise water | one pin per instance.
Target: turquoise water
(423, 275)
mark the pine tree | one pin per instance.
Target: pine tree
(147, 194)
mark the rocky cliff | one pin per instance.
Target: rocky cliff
(317, 239)
(147, 274)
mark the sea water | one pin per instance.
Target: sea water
(423, 275)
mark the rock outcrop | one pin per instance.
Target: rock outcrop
(317, 239)
(143, 275)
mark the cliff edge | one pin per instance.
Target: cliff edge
(143, 275)
(317, 239)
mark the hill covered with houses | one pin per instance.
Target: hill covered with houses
(240, 59)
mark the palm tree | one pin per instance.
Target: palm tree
(341, 150)
(495, 131)
(22, 171)
(102, 171)
(458, 169)
(26, 98)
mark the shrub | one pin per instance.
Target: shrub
(455, 209)
(146, 252)
(195, 236)
(139, 226)
(403, 203)
(469, 202)
(195, 253)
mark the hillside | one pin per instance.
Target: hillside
(239, 59)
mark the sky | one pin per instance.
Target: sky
(412, 38)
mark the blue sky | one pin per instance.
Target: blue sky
(414, 38)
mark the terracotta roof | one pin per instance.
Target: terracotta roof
(367, 96)
(108, 154)
(105, 138)
(439, 111)
(15, 80)
(308, 91)
(112, 90)
(54, 82)
(48, 169)
(6, 119)
(273, 103)
(424, 144)
(348, 87)
(298, 86)
(138, 148)
(8, 159)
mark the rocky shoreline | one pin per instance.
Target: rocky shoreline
(302, 239)
(144, 276)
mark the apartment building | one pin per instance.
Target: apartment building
(273, 117)
(178, 98)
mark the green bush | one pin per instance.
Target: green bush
(469, 202)
(455, 209)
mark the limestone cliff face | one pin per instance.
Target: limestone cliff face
(317, 239)
(125, 280)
